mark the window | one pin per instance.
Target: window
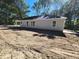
(18, 23)
(27, 23)
(54, 23)
(33, 23)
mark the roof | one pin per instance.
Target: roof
(44, 16)
(32, 17)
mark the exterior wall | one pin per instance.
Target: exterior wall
(45, 24)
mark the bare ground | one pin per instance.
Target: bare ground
(36, 44)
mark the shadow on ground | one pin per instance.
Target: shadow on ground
(77, 34)
(41, 33)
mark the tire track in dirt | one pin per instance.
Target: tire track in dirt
(41, 52)
(26, 51)
(65, 52)
(57, 51)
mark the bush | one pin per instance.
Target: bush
(69, 24)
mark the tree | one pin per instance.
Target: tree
(41, 6)
(37, 8)
(71, 11)
(45, 6)
(11, 9)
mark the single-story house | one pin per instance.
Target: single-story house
(43, 22)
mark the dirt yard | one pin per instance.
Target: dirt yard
(37, 44)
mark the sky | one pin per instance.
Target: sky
(30, 4)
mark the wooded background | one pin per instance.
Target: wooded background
(11, 10)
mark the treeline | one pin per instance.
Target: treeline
(67, 8)
(11, 10)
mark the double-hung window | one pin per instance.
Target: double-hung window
(54, 23)
(27, 23)
(33, 23)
